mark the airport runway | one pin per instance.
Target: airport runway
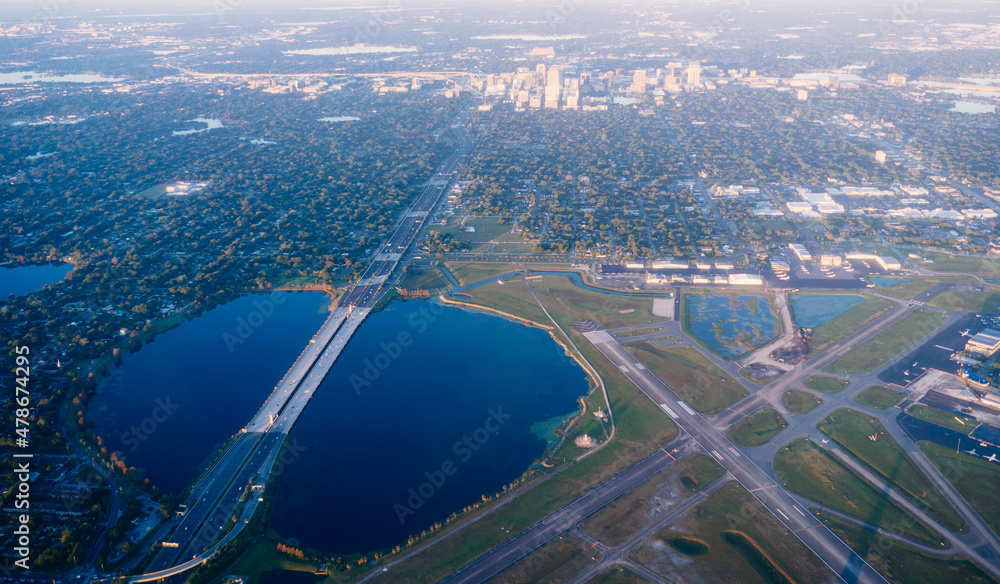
(566, 518)
(827, 546)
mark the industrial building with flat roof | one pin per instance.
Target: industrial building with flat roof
(800, 252)
(985, 343)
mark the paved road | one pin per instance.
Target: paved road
(619, 554)
(840, 558)
(566, 518)
(248, 460)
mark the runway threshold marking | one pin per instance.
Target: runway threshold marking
(669, 411)
(734, 451)
(623, 368)
(686, 407)
(716, 454)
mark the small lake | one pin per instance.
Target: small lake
(23, 280)
(971, 107)
(210, 124)
(812, 310)
(472, 394)
(171, 404)
(886, 282)
(733, 324)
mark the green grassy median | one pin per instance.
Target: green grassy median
(854, 431)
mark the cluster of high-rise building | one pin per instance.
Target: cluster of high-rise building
(672, 78)
(554, 86)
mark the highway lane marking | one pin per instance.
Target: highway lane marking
(669, 411)
(685, 407)
(799, 511)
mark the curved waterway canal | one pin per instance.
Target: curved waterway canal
(428, 408)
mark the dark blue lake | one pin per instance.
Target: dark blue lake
(454, 415)
(27, 279)
(174, 402)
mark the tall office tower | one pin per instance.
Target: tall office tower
(694, 73)
(554, 77)
(639, 81)
(540, 72)
(552, 96)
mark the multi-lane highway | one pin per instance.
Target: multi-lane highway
(248, 460)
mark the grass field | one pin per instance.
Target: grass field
(886, 457)
(469, 272)
(641, 428)
(879, 398)
(424, 278)
(825, 384)
(761, 380)
(986, 301)
(758, 428)
(512, 298)
(976, 479)
(626, 516)
(944, 262)
(889, 343)
(844, 324)
(556, 561)
(800, 402)
(691, 375)
(902, 565)
(637, 332)
(618, 574)
(263, 556)
(730, 537)
(950, 420)
(806, 469)
(917, 285)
